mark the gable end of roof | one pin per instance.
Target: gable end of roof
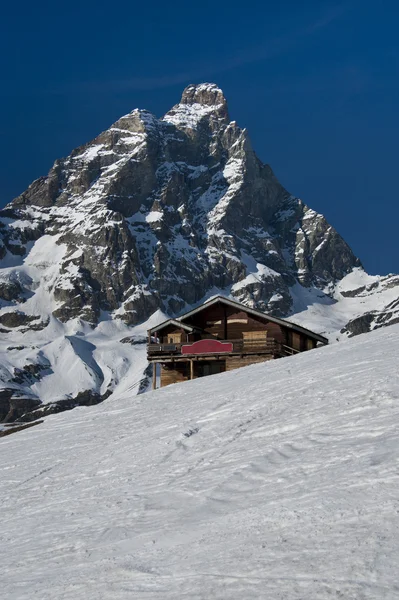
(257, 313)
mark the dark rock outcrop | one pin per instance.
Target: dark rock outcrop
(154, 214)
(16, 319)
(13, 406)
(151, 206)
(85, 398)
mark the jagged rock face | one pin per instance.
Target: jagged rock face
(12, 406)
(151, 207)
(381, 316)
(153, 214)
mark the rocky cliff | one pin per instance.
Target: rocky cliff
(156, 215)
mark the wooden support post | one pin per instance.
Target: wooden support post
(191, 369)
(154, 375)
(224, 322)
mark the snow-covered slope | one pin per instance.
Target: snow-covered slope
(158, 215)
(356, 304)
(275, 481)
(71, 364)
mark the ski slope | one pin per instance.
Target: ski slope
(277, 481)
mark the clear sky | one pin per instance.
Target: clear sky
(315, 82)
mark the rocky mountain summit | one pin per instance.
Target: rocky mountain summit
(156, 215)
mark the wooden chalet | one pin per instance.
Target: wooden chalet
(222, 335)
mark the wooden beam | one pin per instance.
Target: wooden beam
(191, 369)
(207, 357)
(154, 376)
(224, 322)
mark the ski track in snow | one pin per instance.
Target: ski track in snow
(278, 480)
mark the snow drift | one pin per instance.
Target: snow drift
(278, 480)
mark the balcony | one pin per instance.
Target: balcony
(159, 352)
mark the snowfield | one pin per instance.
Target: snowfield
(277, 481)
(147, 221)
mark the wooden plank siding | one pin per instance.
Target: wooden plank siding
(212, 321)
(174, 335)
(239, 325)
(310, 344)
(235, 362)
(296, 341)
(251, 339)
(174, 372)
(180, 371)
(300, 342)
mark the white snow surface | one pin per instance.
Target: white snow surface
(102, 364)
(75, 358)
(256, 272)
(276, 481)
(329, 314)
(189, 115)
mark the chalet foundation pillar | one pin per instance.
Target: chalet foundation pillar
(191, 369)
(154, 376)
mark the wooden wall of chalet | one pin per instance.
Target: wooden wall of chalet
(235, 362)
(239, 326)
(174, 335)
(174, 373)
(212, 321)
(300, 341)
(180, 371)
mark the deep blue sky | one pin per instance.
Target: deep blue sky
(315, 82)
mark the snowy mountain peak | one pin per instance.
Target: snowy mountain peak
(161, 214)
(197, 102)
(207, 94)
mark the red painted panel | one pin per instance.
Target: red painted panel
(207, 347)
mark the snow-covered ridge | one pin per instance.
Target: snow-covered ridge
(358, 303)
(198, 102)
(158, 215)
(274, 481)
(189, 115)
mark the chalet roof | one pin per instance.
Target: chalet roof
(254, 312)
(175, 322)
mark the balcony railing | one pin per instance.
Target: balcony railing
(240, 346)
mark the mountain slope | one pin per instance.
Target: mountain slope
(157, 215)
(274, 481)
(150, 204)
